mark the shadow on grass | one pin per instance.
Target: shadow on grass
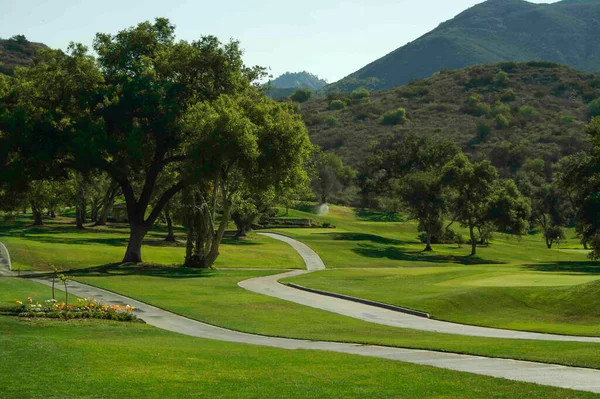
(394, 253)
(573, 267)
(364, 237)
(140, 269)
(376, 216)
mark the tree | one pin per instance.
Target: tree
(422, 192)
(39, 196)
(251, 145)
(122, 112)
(578, 175)
(330, 175)
(301, 95)
(478, 197)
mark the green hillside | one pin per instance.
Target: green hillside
(507, 113)
(16, 51)
(566, 32)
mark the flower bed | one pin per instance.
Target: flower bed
(84, 308)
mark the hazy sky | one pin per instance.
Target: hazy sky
(331, 38)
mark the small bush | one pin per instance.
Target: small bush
(507, 96)
(502, 78)
(502, 122)
(594, 108)
(567, 119)
(301, 95)
(360, 96)
(331, 121)
(483, 130)
(500, 108)
(336, 105)
(392, 118)
(527, 111)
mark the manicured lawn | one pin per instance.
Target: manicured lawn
(214, 297)
(96, 359)
(505, 297)
(59, 243)
(366, 240)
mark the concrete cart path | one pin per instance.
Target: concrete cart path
(545, 374)
(269, 285)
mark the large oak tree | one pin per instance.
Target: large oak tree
(122, 112)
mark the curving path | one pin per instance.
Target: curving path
(270, 286)
(544, 374)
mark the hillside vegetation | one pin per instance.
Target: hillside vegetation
(507, 113)
(16, 51)
(286, 84)
(566, 32)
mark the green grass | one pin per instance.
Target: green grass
(510, 298)
(513, 283)
(215, 298)
(367, 240)
(59, 243)
(96, 359)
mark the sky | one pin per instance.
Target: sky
(330, 38)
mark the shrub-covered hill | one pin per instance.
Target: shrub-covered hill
(567, 32)
(16, 51)
(508, 113)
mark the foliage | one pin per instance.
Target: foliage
(301, 95)
(360, 96)
(502, 121)
(128, 113)
(300, 80)
(330, 176)
(594, 108)
(395, 117)
(479, 197)
(84, 308)
(337, 105)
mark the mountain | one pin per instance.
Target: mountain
(289, 82)
(298, 80)
(507, 113)
(566, 32)
(17, 51)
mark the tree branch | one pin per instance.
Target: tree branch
(162, 202)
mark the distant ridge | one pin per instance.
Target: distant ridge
(566, 32)
(17, 51)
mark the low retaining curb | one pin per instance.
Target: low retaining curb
(361, 300)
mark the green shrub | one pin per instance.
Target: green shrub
(567, 119)
(594, 108)
(483, 129)
(301, 95)
(331, 121)
(502, 121)
(360, 96)
(500, 108)
(507, 96)
(475, 106)
(337, 104)
(527, 111)
(392, 118)
(502, 78)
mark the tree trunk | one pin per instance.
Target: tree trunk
(428, 246)
(170, 235)
(548, 243)
(37, 215)
(134, 248)
(473, 241)
(585, 244)
(95, 207)
(79, 218)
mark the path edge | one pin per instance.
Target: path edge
(382, 305)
